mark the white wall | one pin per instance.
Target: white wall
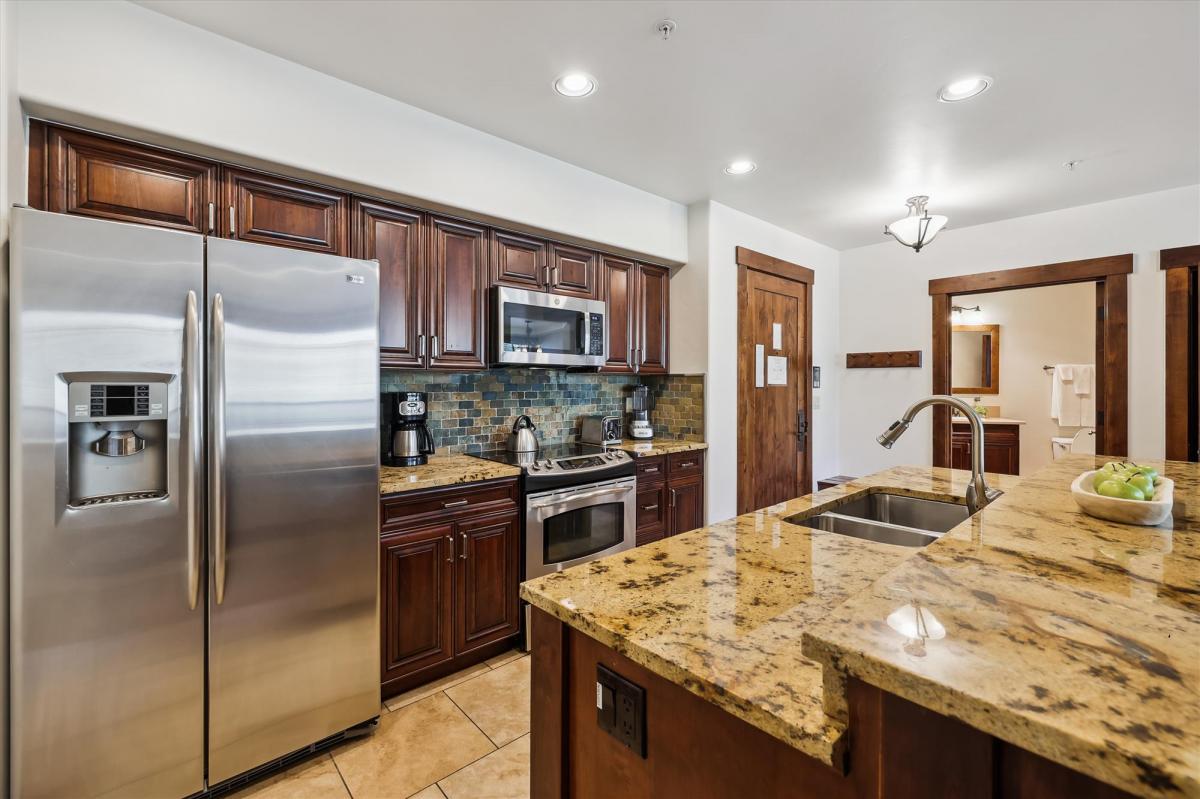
(1038, 326)
(136, 70)
(712, 275)
(885, 306)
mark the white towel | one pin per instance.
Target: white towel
(1065, 405)
(1085, 374)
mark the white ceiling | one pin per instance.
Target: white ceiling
(834, 100)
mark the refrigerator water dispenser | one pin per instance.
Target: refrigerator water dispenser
(118, 439)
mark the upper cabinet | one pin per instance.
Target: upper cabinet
(77, 173)
(618, 277)
(272, 210)
(519, 261)
(457, 285)
(654, 318)
(636, 301)
(395, 237)
(573, 271)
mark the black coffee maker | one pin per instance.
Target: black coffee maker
(406, 439)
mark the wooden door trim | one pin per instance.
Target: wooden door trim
(762, 262)
(1182, 267)
(1110, 274)
(788, 271)
(1086, 270)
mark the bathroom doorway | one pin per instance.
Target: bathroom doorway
(1108, 275)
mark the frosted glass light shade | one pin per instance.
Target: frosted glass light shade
(919, 227)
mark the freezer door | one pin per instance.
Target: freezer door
(293, 500)
(107, 650)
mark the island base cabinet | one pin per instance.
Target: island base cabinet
(891, 748)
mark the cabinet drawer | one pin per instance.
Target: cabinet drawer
(651, 535)
(651, 509)
(680, 464)
(407, 509)
(650, 468)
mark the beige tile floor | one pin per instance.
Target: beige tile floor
(465, 736)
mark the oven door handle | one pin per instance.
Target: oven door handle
(580, 497)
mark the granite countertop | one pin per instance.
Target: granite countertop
(658, 446)
(442, 470)
(987, 420)
(1068, 636)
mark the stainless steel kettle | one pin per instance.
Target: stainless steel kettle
(522, 438)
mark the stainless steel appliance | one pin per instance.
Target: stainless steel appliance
(194, 483)
(600, 430)
(535, 328)
(408, 441)
(640, 403)
(523, 437)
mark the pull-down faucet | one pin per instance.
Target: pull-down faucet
(978, 494)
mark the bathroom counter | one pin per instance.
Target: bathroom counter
(987, 420)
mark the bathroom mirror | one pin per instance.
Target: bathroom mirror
(975, 359)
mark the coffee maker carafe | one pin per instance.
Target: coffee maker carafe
(407, 441)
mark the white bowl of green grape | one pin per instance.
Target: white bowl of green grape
(1125, 492)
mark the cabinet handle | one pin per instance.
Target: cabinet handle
(640, 359)
(546, 275)
(463, 554)
(650, 470)
(450, 541)
(421, 346)
(232, 221)
(687, 465)
(554, 275)
(456, 503)
(433, 347)
(212, 216)
(672, 497)
(650, 507)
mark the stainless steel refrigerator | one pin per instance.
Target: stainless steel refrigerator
(194, 505)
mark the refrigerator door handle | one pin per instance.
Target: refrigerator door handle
(216, 457)
(193, 408)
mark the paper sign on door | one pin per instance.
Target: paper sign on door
(758, 365)
(777, 335)
(776, 370)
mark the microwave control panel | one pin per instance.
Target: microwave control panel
(595, 334)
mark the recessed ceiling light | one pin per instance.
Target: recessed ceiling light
(575, 84)
(964, 89)
(740, 168)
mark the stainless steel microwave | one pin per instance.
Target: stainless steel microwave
(536, 328)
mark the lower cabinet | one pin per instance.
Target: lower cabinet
(670, 495)
(1001, 447)
(449, 574)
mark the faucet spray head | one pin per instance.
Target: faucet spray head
(893, 433)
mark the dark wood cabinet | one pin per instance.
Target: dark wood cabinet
(449, 575)
(618, 278)
(1001, 447)
(457, 287)
(519, 261)
(395, 237)
(653, 318)
(72, 172)
(486, 603)
(573, 271)
(670, 495)
(416, 593)
(288, 213)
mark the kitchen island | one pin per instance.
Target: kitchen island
(1031, 650)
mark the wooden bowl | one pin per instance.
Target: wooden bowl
(1126, 511)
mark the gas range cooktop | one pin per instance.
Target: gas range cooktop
(565, 464)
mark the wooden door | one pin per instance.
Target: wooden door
(687, 504)
(617, 289)
(573, 271)
(457, 277)
(519, 261)
(393, 236)
(773, 459)
(78, 173)
(487, 580)
(416, 597)
(653, 318)
(287, 213)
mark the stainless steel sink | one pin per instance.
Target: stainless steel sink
(889, 519)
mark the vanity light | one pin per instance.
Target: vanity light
(740, 168)
(964, 89)
(575, 84)
(918, 228)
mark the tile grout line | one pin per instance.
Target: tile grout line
(468, 716)
(341, 777)
(476, 760)
(488, 670)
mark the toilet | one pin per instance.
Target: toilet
(1084, 441)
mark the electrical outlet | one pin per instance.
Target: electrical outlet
(621, 709)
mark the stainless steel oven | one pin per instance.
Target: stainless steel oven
(536, 328)
(568, 526)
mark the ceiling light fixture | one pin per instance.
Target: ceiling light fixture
(918, 228)
(575, 84)
(740, 167)
(964, 89)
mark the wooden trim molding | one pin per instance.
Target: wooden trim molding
(1179, 257)
(776, 266)
(941, 377)
(1182, 358)
(883, 360)
(1031, 276)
